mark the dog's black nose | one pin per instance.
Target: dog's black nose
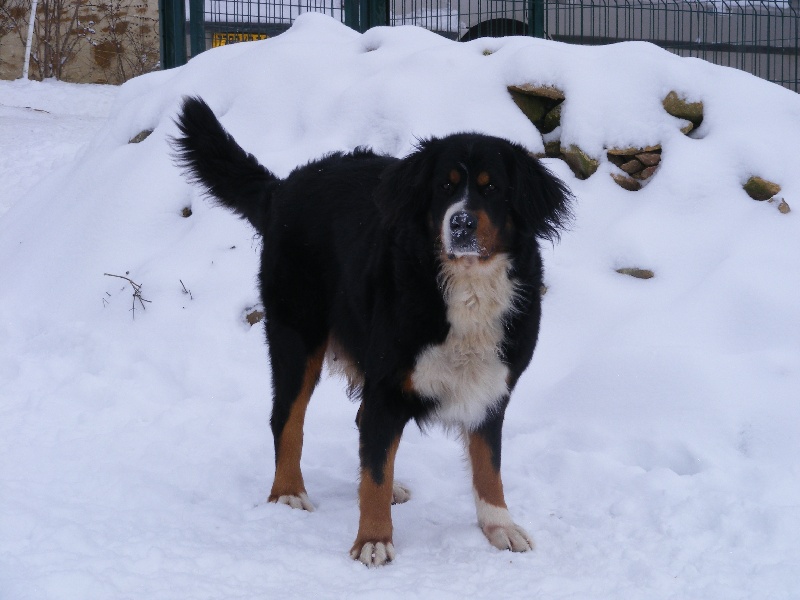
(462, 224)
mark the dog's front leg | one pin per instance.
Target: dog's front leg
(483, 446)
(380, 428)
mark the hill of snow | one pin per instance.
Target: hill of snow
(650, 449)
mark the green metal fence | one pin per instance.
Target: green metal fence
(470, 19)
(760, 37)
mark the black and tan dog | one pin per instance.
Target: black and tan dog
(417, 278)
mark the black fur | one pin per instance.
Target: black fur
(352, 252)
(213, 159)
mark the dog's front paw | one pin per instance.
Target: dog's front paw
(500, 529)
(508, 537)
(295, 501)
(373, 554)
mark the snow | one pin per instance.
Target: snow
(650, 449)
(65, 115)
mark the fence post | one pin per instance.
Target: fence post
(363, 14)
(172, 27)
(536, 8)
(351, 14)
(197, 34)
(378, 13)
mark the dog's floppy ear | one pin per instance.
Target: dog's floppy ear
(403, 193)
(542, 200)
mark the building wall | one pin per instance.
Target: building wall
(103, 42)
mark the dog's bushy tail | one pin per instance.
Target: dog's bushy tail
(211, 157)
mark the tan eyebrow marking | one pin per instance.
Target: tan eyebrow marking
(483, 178)
(455, 177)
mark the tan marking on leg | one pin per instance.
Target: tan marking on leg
(493, 516)
(288, 482)
(373, 545)
(485, 478)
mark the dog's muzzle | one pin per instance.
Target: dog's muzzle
(460, 232)
(463, 226)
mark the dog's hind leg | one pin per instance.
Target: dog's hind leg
(400, 492)
(295, 373)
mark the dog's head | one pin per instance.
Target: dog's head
(476, 195)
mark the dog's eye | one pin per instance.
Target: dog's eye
(447, 187)
(489, 188)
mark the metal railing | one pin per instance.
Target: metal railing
(259, 15)
(470, 19)
(761, 37)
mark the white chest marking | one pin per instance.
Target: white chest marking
(464, 374)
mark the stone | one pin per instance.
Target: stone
(186, 212)
(536, 102)
(140, 137)
(626, 182)
(636, 272)
(761, 189)
(632, 151)
(581, 163)
(551, 120)
(617, 160)
(683, 108)
(533, 107)
(552, 149)
(649, 159)
(783, 206)
(542, 290)
(632, 166)
(254, 316)
(542, 91)
(638, 163)
(645, 173)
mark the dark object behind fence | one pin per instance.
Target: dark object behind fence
(762, 38)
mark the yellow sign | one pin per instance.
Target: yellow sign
(223, 39)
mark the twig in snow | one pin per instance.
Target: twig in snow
(185, 291)
(137, 292)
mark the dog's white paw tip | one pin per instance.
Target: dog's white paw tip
(400, 493)
(508, 537)
(299, 501)
(374, 554)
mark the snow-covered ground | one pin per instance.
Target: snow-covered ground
(42, 126)
(651, 448)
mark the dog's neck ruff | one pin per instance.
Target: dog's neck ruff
(464, 375)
